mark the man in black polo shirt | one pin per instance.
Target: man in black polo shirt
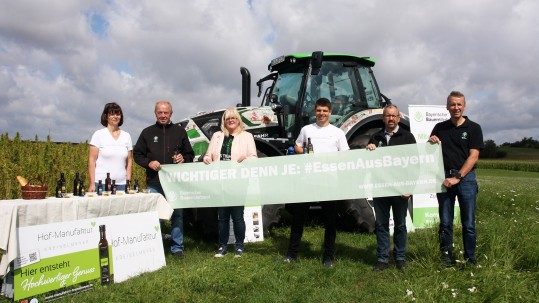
(391, 135)
(461, 141)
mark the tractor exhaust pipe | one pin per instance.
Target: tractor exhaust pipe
(245, 87)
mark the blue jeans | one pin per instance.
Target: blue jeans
(176, 222)
(466, 191)
(382, 206)
(223, 217)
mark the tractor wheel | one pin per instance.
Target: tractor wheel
(356, 215)
(204, 221)
(362, 138)
(271, 216)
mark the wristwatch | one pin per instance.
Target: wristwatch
(455, 173)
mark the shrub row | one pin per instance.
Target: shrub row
(44, 161)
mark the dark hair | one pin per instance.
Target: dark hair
(111, 108)
(323, 102)
(456, 94)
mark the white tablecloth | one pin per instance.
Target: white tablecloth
(20, 213)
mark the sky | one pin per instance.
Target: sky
(62, 61)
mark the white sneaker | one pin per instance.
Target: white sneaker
(221, 252)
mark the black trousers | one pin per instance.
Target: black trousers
(299, 214)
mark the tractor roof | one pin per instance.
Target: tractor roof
(369, 61)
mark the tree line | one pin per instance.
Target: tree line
(492, 151)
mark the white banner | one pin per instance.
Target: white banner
(423, 118)
(65, 254)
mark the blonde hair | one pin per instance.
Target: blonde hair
(231, 113)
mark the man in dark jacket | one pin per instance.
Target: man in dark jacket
(164, 143)
(391, 135)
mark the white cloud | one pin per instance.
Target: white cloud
(57, 72)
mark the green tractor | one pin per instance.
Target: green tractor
(295, 82)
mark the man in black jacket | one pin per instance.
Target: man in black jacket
(391, 135)
(164, 143)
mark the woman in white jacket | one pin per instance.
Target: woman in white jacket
(232, 143)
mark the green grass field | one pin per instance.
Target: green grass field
(507, 227)
(508, 269)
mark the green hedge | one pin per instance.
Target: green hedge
(44, 161)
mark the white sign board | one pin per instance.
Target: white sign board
(423, 118)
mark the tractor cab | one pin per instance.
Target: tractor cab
(298, 80)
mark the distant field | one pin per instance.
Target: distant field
(517, 159)
(518, 153)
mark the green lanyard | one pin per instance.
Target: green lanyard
(229, 145)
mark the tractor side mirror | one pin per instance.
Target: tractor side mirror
(316, 62)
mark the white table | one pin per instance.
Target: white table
(21, 213)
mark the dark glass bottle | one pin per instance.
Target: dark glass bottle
(136, 186)
(108, 183)
(63, 184)
(113, 187)
(58, 189)
(127, 186)
(174, 155)
(310, 146)
(305, 150)
(99, 188)
(104, 260)
(76, 185)
(82, 190)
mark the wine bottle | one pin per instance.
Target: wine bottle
(76, 185)
(174, 155)
(108, 183)
(63, 184)
(136, 187)
(104, 260)
(113, 187)
(310, 146)
(82, 190)
(58, 189)
(99, 188)
(305, 150)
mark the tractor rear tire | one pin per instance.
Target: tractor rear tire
(356, 215)
(271, 216)
(361, 140)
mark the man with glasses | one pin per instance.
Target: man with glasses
(164, 143)
(391, 135)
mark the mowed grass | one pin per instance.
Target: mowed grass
(507, 228)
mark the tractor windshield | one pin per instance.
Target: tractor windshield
(349, 87)
(286, 90)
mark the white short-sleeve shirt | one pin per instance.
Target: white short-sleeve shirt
(112, 157)
(324, 139)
